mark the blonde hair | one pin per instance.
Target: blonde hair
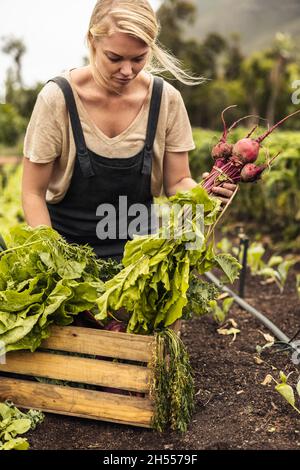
(136, 18)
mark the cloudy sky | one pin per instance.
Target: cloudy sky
(53, 32)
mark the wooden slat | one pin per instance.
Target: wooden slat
(78, 369)
(76, 402)
(100, 342)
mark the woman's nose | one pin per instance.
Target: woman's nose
(126, 69)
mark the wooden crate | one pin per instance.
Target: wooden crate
(77, 401)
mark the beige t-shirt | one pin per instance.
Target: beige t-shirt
(49, 135)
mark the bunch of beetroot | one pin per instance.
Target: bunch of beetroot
(235, 162)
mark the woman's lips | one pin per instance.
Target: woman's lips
(123, 80)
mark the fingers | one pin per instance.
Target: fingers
(223, 192)
(230, 186)
(224, 201)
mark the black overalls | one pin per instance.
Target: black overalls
(101, 180)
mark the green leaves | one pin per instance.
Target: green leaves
(12, 423)
(200, 294)
(153, 286)
(220, 312)
(286, 390)
(43, 280)
(229, 265)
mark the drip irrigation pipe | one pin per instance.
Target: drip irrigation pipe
(270, 325)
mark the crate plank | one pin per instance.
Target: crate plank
(100, 342)
(78, 369)
(76, 402)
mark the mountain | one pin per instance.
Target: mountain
(256, 21)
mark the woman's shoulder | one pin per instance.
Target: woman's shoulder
(51, 93)
(171, 95)
(51, 97)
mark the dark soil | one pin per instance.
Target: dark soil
(233, 409)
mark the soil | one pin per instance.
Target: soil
(233, 409)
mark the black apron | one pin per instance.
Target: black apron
(101, 180)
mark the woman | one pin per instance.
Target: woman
(105, 138)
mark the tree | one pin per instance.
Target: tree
(234, 58)
(173, 16)
(282, 50)
(16, 48)
(16, 94)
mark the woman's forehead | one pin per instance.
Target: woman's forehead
(124, 44)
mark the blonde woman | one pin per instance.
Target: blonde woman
(106, 138)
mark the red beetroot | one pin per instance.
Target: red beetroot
(251, 172)
(115, 325)
(223, 149)
(239, 166)
(246, 150)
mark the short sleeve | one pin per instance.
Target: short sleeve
(179, 136)
(43, 138)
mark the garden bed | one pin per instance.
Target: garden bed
(233, 410)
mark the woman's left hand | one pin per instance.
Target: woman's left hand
(225, 192)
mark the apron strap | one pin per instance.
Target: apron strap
(82, 152)
(152, 124)
(81, 148)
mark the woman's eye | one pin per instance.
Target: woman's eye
(118, 60)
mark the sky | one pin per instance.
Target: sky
(53, 32)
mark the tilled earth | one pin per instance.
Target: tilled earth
(233, 409)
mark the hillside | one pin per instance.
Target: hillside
(256, 21)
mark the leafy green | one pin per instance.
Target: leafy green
(43, 280)
(200, 293)
(154, 282)
(13, 422)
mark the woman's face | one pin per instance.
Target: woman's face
(120, 58)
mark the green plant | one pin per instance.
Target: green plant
(13, 423)
(286, 390)
(220, 308)
(11, 124)
(275, 269)
(43, 280)
(11, 211)
(153, 285)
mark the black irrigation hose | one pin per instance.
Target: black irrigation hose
(283, 339)
(3, 246)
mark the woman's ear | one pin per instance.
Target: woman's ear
(91, 40)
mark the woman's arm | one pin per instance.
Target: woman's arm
(35, 181)
(176, 171)
(177, 177)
